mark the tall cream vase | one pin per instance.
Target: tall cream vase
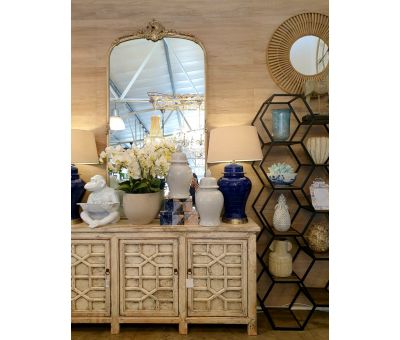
(142, 208)
(280, 260)
(318, 148)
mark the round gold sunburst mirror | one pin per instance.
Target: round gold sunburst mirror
(298, 51)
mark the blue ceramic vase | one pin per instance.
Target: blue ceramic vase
(77, 192)
(236, 189)
(280, 124)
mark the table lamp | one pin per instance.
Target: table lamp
(234, 144)
(83, 151)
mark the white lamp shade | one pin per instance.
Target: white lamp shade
(83, 147)
(234, 143)
(116, 123)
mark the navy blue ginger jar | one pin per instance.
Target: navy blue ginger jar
(77, 192)
(236, 189)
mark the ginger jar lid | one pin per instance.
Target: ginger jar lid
(233, 170)
(178, 157)
(208, 182)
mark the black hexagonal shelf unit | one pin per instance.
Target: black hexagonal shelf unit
(291, 314)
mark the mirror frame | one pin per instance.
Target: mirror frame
(278, 52)
(155, 31)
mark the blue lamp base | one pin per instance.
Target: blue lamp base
(77, 192)
(236, 189)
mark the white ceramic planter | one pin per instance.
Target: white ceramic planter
(280, 260)
(209, 202)
(318, 148)
(179, 176)
(142, 208)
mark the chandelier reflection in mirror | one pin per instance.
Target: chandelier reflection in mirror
(190, 141)
(164, 102)
(192, 144)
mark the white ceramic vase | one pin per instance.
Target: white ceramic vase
(209, 202)
(318, 148)
(142, 208)
(281, 218)
(280, 260)
(179, 176)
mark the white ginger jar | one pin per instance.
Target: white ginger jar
(281, 219)
(209, 201)
(179, 176)
(280, 260)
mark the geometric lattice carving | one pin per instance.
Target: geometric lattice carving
(149, 277)
(90, 292)
(219, 272)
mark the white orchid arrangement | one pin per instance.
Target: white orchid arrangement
(147, 167)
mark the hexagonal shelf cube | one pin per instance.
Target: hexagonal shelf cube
(288, 305)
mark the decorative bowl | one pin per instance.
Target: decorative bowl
(99, 207)
(282, 179)
(317, 237)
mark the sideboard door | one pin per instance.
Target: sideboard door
(90, 278)
(219, 272)
(149, 277)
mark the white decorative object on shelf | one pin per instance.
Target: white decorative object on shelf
(102, 205)
(281, 174)
(319, 192)
(179, 176)
(281, 219)
(280, 260)
(209, 201)
(318, 148)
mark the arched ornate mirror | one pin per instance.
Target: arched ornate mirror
(157, 87)
(299, 51)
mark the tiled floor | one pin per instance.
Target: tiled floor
(317, 329)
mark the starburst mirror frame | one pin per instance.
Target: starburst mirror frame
(278, 52)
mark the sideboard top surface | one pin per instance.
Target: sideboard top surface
(125, 226)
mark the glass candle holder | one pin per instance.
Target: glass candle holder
(280, 124)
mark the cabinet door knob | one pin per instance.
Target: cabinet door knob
(175, 271)
(189, 271)
(107, 271)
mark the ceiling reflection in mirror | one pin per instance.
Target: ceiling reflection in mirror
(309, 55)
(158, 89)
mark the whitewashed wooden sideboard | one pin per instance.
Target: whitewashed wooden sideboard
(124, 273)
